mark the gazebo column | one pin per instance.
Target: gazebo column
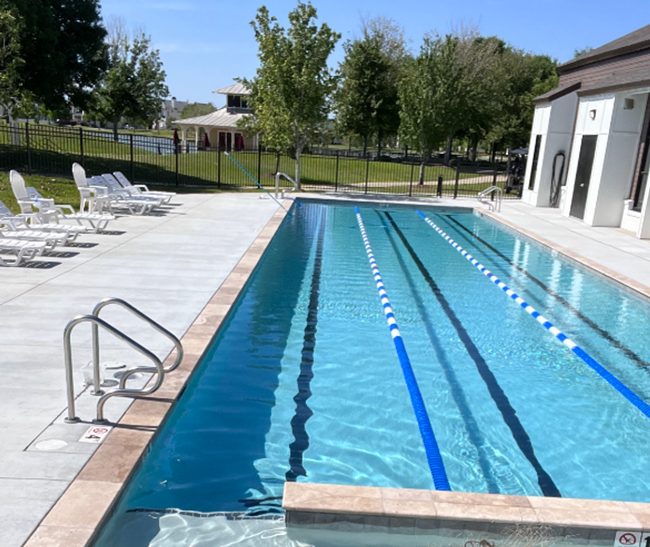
(196, 138)
(183, 139)
(232, 140)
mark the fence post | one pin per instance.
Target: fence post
(439, 186)
(219, 167)
(29, 149)
(457, 180)
(131, 153)
(81, 148)
(367, 169)
(336, 179)
(259, 163)
(411, 181)
(176, 161)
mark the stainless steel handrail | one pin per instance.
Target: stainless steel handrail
(162, 330)
(499, 196)
(69, 373)
(277, 183)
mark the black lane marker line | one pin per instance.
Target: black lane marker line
(303, 412)
(630, 353)
(456, 389)
(496, 392)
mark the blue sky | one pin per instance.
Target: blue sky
(204, 45)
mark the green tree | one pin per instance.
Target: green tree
(366, 102)
(11, 90)
(62, 44)
(289, 94)
(422, 124)
(134, 86)
(582, 51)
(522, 77)
(197, 109)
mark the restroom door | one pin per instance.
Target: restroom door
(583, 175)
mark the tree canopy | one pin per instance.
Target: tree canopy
(134, 86)
(62, 45)
(11, 89)
(366, 101)
(290, 92)
(193, 110)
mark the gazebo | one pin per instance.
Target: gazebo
(221, 125)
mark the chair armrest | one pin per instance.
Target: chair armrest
(142, 187)
(99, 191)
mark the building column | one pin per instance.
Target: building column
(196, 138)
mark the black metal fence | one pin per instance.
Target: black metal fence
(50, 150)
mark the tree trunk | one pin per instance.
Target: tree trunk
(474, 148)
(277, 163)
(115, 136)
(421, 175)
(378, 145)
(365, 145)
(450, 142)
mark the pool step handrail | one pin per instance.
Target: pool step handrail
(278, 176)
(496, 196)
(158, 370)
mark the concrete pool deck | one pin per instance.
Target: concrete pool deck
(167, 265)
(188, 286)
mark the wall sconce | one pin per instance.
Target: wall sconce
(592, 114)
(628, 104)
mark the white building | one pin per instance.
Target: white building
(221, 125)
(171, 111)
(590, 138)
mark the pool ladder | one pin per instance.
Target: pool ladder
(158, 370)
(278, 176)
(495, 196)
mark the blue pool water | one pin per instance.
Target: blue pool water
(303, 382)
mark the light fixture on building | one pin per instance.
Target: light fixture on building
(628, 104)
(592, 114)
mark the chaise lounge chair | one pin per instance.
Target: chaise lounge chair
(21, 251)
(141, 189)
(51, 213)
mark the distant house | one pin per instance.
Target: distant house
(221, 125)
(591, 136)
(171, 111)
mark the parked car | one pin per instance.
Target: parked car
(66, 122)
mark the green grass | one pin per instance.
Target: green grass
(62, 190)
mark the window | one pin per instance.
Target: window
(234, 101)
(533, 171)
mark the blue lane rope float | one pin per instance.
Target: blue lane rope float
(259, 185)
(434, 458)
(588, 359)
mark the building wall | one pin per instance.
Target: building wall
(554, 121)
(618, 132)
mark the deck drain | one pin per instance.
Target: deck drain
(51, 444)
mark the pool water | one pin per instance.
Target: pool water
(303, 382)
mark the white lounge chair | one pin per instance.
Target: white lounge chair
(32, 221)
(93, 199)
(20, 251)
(96, 197)
(50, 239)
(141, 189)
(30, 202)
(120, 195)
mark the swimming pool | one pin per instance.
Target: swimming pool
(303, 382)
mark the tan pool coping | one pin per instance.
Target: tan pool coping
(89, 500)
(318, 504)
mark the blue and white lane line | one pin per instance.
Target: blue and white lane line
(575, 348)
(434, 458)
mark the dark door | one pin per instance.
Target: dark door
(583, 175)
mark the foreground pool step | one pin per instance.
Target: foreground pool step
(466, 516)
